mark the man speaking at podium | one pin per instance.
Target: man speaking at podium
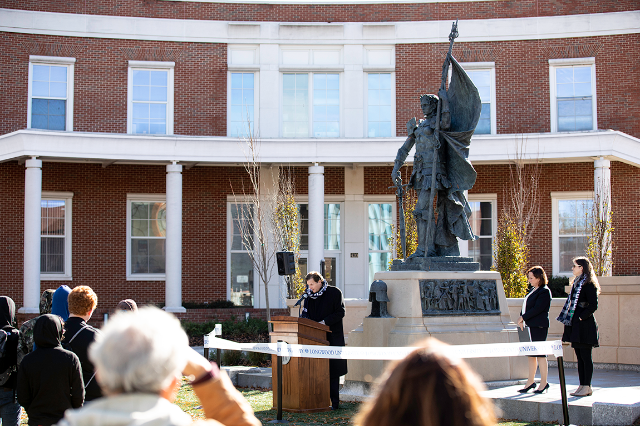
(325, 305)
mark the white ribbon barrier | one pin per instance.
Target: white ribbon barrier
(348, 352)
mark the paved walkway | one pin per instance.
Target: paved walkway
(615, 399)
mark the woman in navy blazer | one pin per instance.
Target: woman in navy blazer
(535, 314)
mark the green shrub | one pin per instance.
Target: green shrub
(231, 357)
(556, 285)
(258, 358)
(255, 329)
(216, 304)
(510, 257)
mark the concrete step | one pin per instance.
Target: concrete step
(615, 400)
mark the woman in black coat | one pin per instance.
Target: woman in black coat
(325, 305)
(535, 314)
(580, 326)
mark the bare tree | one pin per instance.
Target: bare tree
(256, 215)
(287, 228)
(600, 230)
(522, 205)
(516, 222)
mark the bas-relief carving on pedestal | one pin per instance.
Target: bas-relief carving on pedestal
(459, 297)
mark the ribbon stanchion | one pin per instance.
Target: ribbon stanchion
(490, 350)
(391, 353)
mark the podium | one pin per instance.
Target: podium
(305, 381)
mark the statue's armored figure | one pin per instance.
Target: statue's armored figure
(441, 169)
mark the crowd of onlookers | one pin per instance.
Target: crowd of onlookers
(62, 370)
(66, 372)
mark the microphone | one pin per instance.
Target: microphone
(304, 296)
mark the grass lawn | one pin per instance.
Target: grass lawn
(262, 401)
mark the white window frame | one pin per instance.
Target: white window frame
(310, 75)
(67, 197)
(566, 63)
(56, 61)
(256, 279)
(555, 226)
(493, 199)
(155, 198)
(256, 98)
(491, 67)
(313, 64)
(381, 70)
(378, 199)
(151, 66)
(338, 254)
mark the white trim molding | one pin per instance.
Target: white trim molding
(152, 66)
(487, 198)
(554, 64)
(67, 197)
(491, 68)
(58, 61)
(144, 198)
(555, 232)
(205, 150)
(202, 31)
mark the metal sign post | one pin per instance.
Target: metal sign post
(279, 378)
(563, 391)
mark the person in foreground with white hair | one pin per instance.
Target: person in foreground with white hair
(139, 358)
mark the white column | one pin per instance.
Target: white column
(355, 231)
(316, 217)
(602, 180)
(602, 189)
(32, 235)
(173, 283)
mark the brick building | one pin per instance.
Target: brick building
(120, 146)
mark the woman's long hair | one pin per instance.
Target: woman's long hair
(427, 388)
(587, 269)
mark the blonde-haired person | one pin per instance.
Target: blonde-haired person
(580, 326)
(535, 313)
(428, 388)
(79, 335)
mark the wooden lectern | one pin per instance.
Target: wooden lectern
(305, 381)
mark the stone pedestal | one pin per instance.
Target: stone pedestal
(417, 315)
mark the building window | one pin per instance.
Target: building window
(241, 104)
(483, 76)
(50, 93)
(570, 213)
(379, 115)
(380, 236)
(573, 92)
(55, 244)
(146, 236)
(324, 91)
(150, 98)
(241, 288)
(332, 240)
(331, 226)
(483, 222)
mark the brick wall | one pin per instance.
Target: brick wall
(325, 13)
(522, 79)
(99, 228)
(625, 202)
(100, 80)
(194, 315)
(333, 180)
